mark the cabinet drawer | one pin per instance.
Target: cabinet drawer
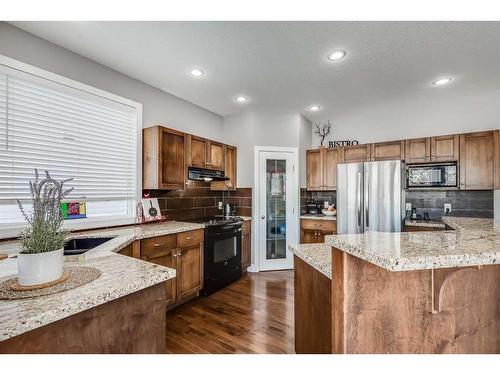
(187, 239)
(152, 245)
(324, 225)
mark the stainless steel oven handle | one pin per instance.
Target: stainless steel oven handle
(358, 182)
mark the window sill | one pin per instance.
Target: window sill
(13, 231)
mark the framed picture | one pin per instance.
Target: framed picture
(151, 208)
(73, 210)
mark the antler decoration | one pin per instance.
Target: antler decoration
(323, 131)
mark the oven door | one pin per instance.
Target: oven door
(432, 175)
(222, 257)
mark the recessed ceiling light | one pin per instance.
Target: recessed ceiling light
(337, 55)
(196, 72)
(314, 107)
(442, 81)
(241, 99)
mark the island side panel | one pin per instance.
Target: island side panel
(312, 309)
(135, 323)
(391, 312)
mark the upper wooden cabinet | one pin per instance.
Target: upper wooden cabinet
(197, 152)
(393, 150)
(321, 168)
(477, 161)
(418, 150)
(229, 169)
(203, 153)
(163, 158)
(314, 169)
(442, 148)
(356, 154)
(445, 148)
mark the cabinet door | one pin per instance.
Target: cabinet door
(172, 160)
(215, 156)
(445, 148)
(356, 154)
(166, 258)
(476, 161)
(189, 271)
(418, 150)
(314, 170)
(246, 246)
(229, 171)
(393, 150)
(330, 161)
(198, 152)
(308, 236)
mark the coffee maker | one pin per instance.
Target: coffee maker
(313, 207)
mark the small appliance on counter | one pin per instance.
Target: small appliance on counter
(313, 207)
(228, 210)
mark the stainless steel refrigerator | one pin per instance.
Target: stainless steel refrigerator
(370, 197)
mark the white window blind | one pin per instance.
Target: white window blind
(69, 132)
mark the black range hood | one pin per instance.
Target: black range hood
(202, 174)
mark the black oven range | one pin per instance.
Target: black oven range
(222, 252)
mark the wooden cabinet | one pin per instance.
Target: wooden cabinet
(314, 169)
(356, 154)
(164, 158)
(321, 168)
(197, 152)
(445, 148)
(418, 150)
(442, 148)
(314, 231)
(229, 170)
(182, 252)
(215, 156)
(394, 150)
(203, 153)
(477, 164)
(246, 245)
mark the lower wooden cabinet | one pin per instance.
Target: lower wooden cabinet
(314, 231)
(182, 252)
(246, 245)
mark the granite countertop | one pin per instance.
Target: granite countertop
(318, 217)
(425, 223)
(120, 276)
(473, 242)
(318, 255)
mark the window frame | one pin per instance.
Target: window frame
(13, 230)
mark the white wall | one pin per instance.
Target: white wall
(159, 107)
(305, 143)
(419, 116)
(265, 128)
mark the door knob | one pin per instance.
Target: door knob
(263, 217)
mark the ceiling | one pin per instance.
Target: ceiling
(283, 65)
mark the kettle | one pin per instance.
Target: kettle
(228, 210)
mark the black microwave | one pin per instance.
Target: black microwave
(443, 175)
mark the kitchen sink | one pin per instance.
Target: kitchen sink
(78, 246)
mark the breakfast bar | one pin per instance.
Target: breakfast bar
(421, 292)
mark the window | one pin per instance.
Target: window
(73, 131)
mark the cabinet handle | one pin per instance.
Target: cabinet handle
(188, 238)
(242, 237)
(159, 244)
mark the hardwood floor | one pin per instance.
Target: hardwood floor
(252, 315)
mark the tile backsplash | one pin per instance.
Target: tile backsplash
(470, 203)
(197, 201)
(463, 202)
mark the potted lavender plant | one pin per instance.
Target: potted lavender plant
(42, 243)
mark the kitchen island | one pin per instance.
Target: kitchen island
(412, 292)
(122, 311)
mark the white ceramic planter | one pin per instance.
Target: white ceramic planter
(39, 268)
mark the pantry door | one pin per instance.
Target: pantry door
(278, 209)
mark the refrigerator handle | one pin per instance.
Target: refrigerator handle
(358, 183)
(367, 199)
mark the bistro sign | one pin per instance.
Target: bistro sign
(333, 144)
